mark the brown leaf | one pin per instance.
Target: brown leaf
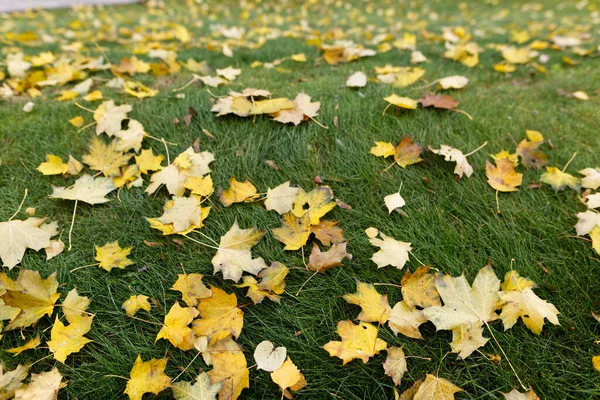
(407, 152)
(272, 164)
(343, 205)
(322, 261)
(196, 145)
(187, 120)
(327, 232)
(152, 244)
(439, 101)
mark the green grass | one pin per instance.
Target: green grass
(452, 224)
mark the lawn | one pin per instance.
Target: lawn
(453, 224)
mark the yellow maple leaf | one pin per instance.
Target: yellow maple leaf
(358, 341)
(383, 149)
(288, 376)
(111, 255)
(528, 150)
(271, 285)
(375, 306)
(220, 316)
(147, 161)
(135, 303)
(402, 102)
(105, 157)
(595, 236)
(77, 121)
(30, 295)
(525, 304)
(294, 231)
(54, 165)
(202, 186)
(237, 192)
(65, 340)
(230, 369)
(315, 203)
(559, 180)
(192, 288)
(503, 176)
(31, 344)
(16, 236)
(514, 281)
(407, 152)
(175, 328)
(147, 377)
(436, 388)
(418, 289)
(75, 306)
(138, 90)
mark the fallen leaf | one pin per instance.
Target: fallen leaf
(323, 261)
(375, 306)
(395, 364)
(503, 176)
(392, 252)
(234, 254)
(175, 327)
(407, 152)
(111, 255)
(135, 303)
(202, 389)
(358, 341)
(192, 288)
(147, 377)
(219, 317)
(436, 388)
(559, 180)
(268, 357)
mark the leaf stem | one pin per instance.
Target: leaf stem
(477, 149)
(72, 223)
(569, 162)
(20, 206)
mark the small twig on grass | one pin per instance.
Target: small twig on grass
(477, 149)
(569, 162)
(83, 266)
(186, 368)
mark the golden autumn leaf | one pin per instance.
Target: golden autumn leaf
(302, 109)
(219, 316)
(147, 377)
(402, 102)
(383, 149)
(28, 298)
(66, 340)
(199, 185)
(75, 306)
(466, 338)
(358, 341)
(315, 203)
(407, 152)
(30, 344)
(528, 150)
(105, 157)
(237, 192)
(464, 304)
(375, 306)
(436, 388)
(503, 176)
(192, 288)
(135, 303)
(294, 231)
(230, 369)
(12, 380)
(288, 376)
(138, 90)
(559, 180)
(111, 255)
(175, 327)
(272, 283)
(181, 216)
(147, 161)
(54, 165)
(525, 304)
(418, 289)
